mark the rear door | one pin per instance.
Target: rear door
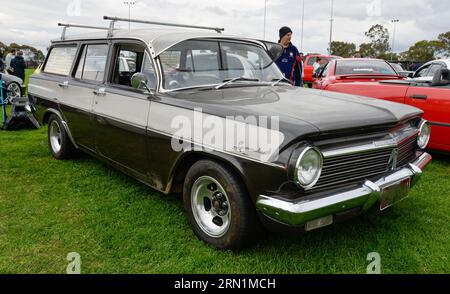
(435, 102)
(78, 97)
(120, 112)
(308, 68)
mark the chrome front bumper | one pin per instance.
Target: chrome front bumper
(301, 211)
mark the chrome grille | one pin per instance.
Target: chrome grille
(407, 151)
(353, 163)
(351, 168)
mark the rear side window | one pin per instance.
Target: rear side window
(92, 63)
(60, 60)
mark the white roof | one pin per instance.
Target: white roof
(158, 39)
(446, 61)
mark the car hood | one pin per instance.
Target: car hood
(300, 110)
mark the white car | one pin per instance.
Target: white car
(427, 71)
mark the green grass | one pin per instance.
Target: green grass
(28, 73)
(49, 208)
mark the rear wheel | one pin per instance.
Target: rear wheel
(218, 207)
(58, 140)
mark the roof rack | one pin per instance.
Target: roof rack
(66, 25)
(116, 19)
(113, 20)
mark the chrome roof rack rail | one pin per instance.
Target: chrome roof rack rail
(116, 19)
(66, 25)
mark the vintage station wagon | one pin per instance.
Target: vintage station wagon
(124, 97)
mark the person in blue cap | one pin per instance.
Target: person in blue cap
(290, 62)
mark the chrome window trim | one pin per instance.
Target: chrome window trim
(157, 60)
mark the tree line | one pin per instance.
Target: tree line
(38, 54)
(379, 47)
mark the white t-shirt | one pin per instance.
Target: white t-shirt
(8, 59)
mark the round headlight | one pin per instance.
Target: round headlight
(309, 167)
(424, 134)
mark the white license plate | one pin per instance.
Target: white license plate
(395, 193)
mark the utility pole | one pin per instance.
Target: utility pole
(265, 15)
(394, 21)
(303, 26)
(129, 3)
(331, 26)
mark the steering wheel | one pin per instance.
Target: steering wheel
(180, 76)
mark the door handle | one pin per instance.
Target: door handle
(100, 92)
(64, 85)
(417, 96)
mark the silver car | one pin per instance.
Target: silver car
(13, 84)
(426, 72)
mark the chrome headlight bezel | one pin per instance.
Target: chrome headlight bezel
(300, 180)
(424, 129)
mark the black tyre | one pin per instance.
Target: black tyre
(218, 207)
(58, 141)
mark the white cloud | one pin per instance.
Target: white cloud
(34, 23)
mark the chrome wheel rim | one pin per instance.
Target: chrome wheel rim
(210, 206)
(55, 136)
(15, 91)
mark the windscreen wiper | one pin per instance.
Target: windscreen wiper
(277, 81)
(229, 81)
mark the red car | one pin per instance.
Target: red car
(433, 97)
(350, 70)
(308, 70)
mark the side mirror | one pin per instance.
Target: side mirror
(410, 75)
(274, 50)
(140, 81)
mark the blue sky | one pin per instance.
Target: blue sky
(34, 22)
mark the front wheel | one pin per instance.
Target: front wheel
(58, 140)
(15, 91)
(218, 207)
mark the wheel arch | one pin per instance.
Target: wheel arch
(46, 117)
(185, 161)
